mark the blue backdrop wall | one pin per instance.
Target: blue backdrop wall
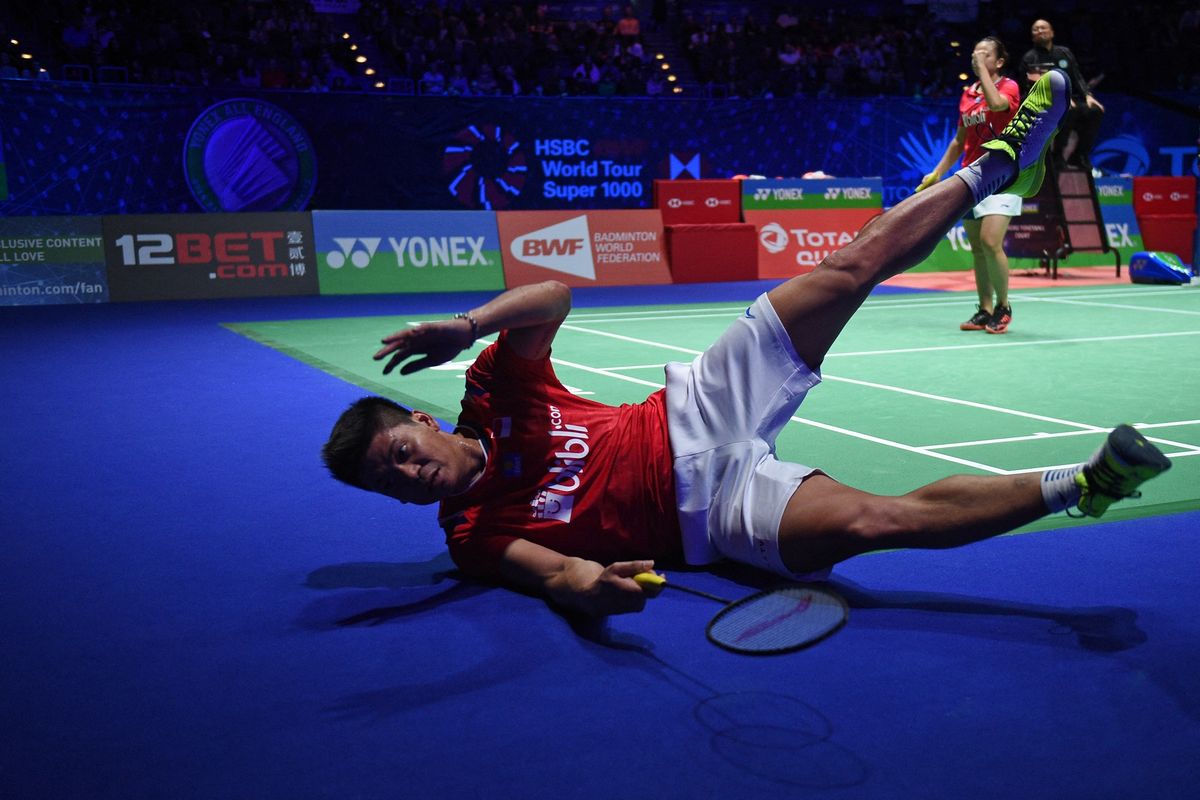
(77, 149)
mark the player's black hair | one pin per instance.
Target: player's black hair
(343, 454)
(1001, 50)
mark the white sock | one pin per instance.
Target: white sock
(986, 175)
(1059, 489)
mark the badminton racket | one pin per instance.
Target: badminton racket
(779, 620)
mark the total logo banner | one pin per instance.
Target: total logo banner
(794, 242)
(382, 252)
(595, 248)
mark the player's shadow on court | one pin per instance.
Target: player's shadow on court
(388, 591)
(1098, 628)
(378, 574)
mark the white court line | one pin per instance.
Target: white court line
(722, 313)
(881, 303)
(1085, 428)
(969, 403)
(1028, 470)
(1190, 449)
(634, 340)
(896, 351)
(606, 373)
(801, 420)
(1010, 343)
(1119, 290)
(889, 304)
(897, 445)
(1146, 425)
(1032, 437)
(1156, 309)
(602, 315)
(844, 431)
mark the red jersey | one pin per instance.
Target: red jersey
(981, 124)
(579, 477)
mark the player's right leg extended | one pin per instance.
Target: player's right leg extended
(815, 307)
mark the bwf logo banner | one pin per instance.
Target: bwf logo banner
(382, 252)
(562, 248)
(606, 248)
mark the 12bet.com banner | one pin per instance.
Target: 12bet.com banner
(199, 256)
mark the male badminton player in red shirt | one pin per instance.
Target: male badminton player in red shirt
(571, 498)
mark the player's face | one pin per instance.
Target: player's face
(418, 462)
(1041, 32)
(984, 57)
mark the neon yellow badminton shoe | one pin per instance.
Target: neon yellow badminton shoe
(1027, 137)
(1124, 463)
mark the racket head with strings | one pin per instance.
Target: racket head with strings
(780, 620)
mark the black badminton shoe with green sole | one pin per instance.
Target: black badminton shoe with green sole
(1027, 137)
(1124, 463)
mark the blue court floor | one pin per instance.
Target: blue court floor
(193, 609)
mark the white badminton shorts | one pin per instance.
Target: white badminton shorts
(1004, 205)
(724, 411)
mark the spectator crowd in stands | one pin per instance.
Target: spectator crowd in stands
(520, 47)
(509, 49)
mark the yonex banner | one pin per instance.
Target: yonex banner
(595, 248)
(51, 261)
(197, 256)
(765, 194)
(366, 252)
(1117, 210)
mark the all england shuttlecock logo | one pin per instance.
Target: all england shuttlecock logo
(247, 155)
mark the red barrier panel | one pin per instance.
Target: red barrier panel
(1170, 233)
(704, 253)
(700, 202)
(1164, 195)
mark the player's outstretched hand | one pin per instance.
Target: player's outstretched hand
(602, 591)
(436, 342)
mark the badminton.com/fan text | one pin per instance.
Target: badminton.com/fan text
(53, 290)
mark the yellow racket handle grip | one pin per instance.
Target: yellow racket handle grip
(651, 582)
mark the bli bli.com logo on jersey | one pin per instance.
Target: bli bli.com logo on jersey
(557, 500)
